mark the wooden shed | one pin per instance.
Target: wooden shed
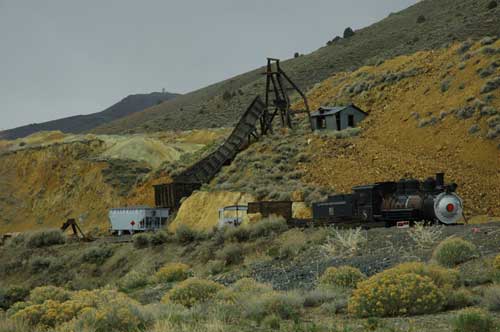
(337, 118)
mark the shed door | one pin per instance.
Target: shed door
(321, 122)
(350, 120)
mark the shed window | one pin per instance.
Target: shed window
(350, 120)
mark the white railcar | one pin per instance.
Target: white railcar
(129, 220)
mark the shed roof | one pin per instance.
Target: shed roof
(327, 110)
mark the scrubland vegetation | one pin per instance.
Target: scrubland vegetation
(263, 276)
(217, 281)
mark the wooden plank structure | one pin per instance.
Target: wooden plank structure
(259, 112)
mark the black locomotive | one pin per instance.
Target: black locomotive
(390, 202)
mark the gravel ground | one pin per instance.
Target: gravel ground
(386, 247)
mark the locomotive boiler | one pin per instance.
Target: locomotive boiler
(390, 202)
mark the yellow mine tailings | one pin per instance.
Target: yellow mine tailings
(200, 211)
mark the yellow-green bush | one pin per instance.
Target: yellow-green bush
(454, 251)
(442, 277)
(192, 291)
(473, 320)
(97, 310)
(114, 317)
(496, 263)
(48, 314)
(390, 294)
(172, 272)
(344, 276)
(44, 293)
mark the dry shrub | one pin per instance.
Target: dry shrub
(185, 234)
(172, 272)
(322, 295)
(97, 255)
(283, 305)
(269, 226)
(425, 237)
(344, 276)
(11, 295)
(389, 294)
(496, 263)
(291, 243)
(133, 280)
(242, 290)
(473, 320)
(44, 293)
(11, 325)
(250, 286)
(45, 238)
(346, 242)
(454, 251)
(192, 291)
(491, 298)
(236, 234)
(159, 238)
(231, 254)
(39, 264)
(141, 240)
(459, 298)
(215, 266)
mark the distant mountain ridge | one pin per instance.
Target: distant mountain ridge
(83, 123)
(429, 24)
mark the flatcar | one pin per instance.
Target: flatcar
(387, 203)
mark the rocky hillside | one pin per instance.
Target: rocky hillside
(82, 123)
(427, 25)
(428, 112)
(49, 177)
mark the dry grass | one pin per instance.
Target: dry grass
(425, 236)
(348, 242)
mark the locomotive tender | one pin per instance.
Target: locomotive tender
(390, 202)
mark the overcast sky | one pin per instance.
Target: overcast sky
(66, 57)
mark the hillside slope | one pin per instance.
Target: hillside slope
(48, 177)
(428, 112)
(82, 123)
(427, 25)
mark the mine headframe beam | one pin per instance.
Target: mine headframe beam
(277, 97)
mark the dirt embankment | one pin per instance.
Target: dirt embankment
(429, 112)
(40, 188)
(48, 177)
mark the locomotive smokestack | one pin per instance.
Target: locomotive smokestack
(440, 180)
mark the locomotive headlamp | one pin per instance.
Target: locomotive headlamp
(448, 208)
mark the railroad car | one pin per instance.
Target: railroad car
(129, 220)
(391, 202)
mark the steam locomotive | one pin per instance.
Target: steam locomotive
(391, 202)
